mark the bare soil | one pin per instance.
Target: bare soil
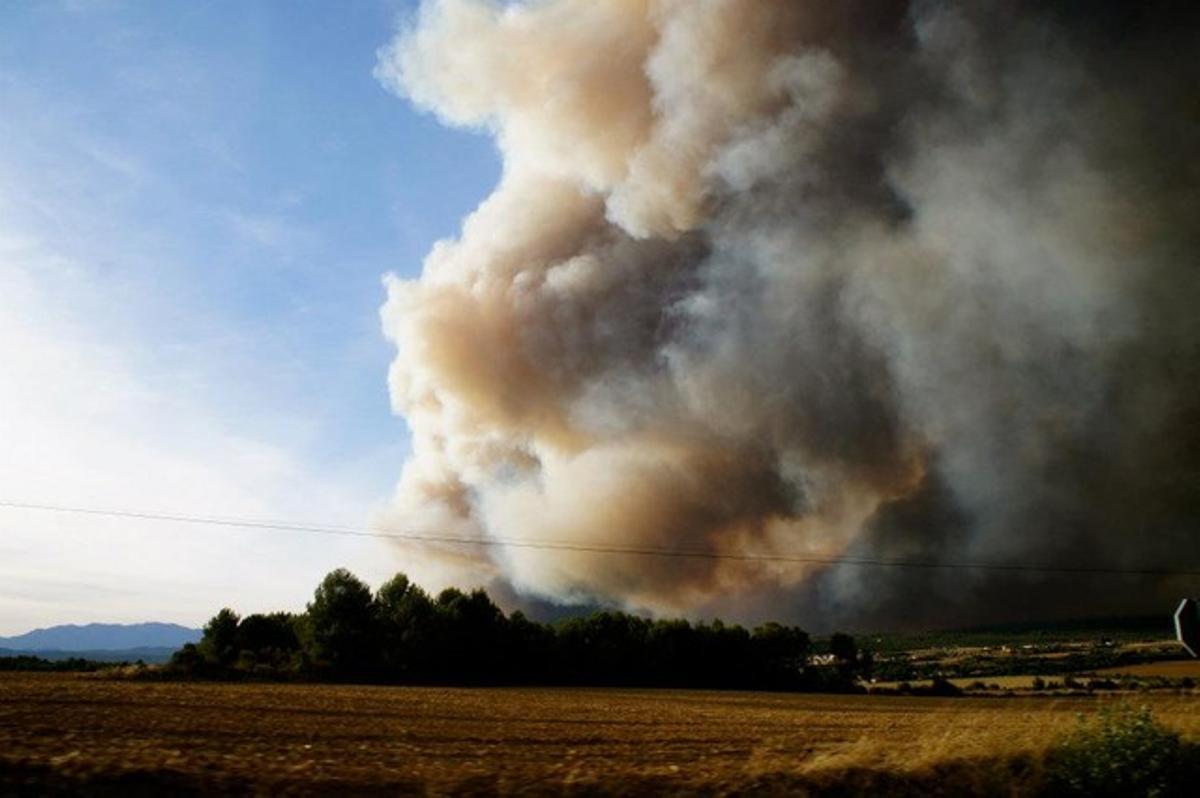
(67, 734)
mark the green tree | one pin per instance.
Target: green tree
(605, 648)
(404, 615)
(341, 627)
(470, 631)
(269, 639)
(781, 653)
(528, 651)
(845, 653)
(219, 643)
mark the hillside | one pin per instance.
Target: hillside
(102, 637)
(1118, 630)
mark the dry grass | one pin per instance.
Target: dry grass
(1177, 669)
(313, 738)
(1009, 682)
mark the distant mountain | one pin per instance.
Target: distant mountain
(102, 637)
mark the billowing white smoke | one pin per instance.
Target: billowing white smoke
(912, 280)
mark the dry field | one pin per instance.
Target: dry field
(1007, 682)
(66, 733)
(1174, 669)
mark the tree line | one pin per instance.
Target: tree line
(401, 634)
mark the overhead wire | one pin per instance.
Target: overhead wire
(590, 548)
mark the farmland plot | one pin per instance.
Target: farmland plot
(71, 732)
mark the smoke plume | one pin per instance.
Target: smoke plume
(866, 278)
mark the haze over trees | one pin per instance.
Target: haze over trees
(401, 634)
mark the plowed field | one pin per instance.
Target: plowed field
(64, 732)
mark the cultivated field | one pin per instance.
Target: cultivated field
(1175, 669)
(68, 732)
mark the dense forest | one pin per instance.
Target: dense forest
(402, 635)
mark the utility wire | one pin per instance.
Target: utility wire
(561, 545)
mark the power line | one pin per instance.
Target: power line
(561, 545)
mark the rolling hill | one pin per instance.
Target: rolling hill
(102, 641)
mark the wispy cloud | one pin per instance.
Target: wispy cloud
(270, 231)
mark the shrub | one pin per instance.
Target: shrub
(943, 687)
(1122, 752)
(188, 659)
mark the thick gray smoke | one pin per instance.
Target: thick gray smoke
(910, 280)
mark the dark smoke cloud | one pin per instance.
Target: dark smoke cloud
(883, 279)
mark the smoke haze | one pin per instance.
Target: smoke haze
(911, 280)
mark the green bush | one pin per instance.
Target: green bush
(940, 687)
(1122, 752)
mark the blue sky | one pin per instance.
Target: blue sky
(198, 202)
